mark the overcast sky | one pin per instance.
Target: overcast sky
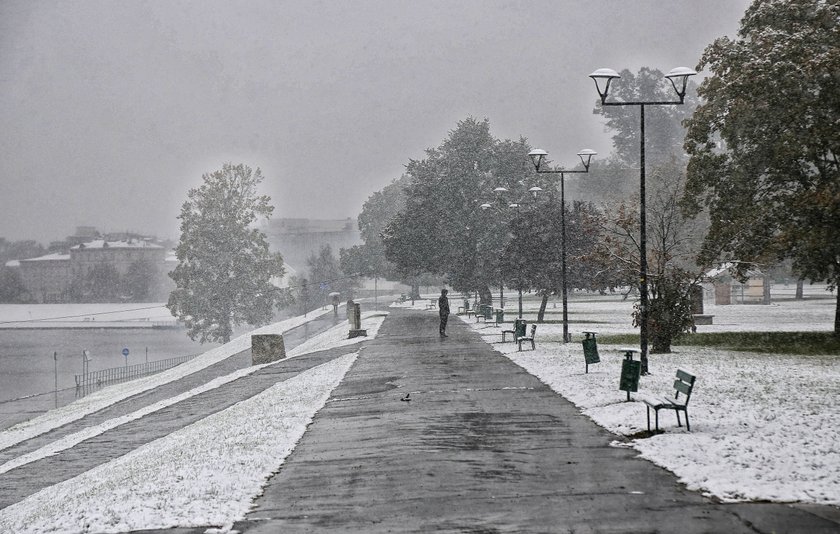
(112, 110)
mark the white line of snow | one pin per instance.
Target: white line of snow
(204, 474)
(335, 337)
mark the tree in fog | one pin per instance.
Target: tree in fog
(19, 250)
(672, 244)
(764, 144)
(664, 132)
(224, 264)
(12, 288)
(138, 281)
(368, 259)
(532, 258)
(441, 229)
(326, 276)
(99, 283)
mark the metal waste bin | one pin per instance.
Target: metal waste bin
(590, 349)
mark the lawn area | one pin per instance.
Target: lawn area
(809, 343)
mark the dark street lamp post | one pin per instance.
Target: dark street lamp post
(537, 156)
(679, 79)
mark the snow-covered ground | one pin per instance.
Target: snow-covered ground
(165, 483)
(763, 426)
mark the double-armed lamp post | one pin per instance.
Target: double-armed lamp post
(679, 80)
(538, 157)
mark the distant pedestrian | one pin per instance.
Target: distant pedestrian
(443, 310)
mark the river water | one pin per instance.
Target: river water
(28, 366)
(29, 370)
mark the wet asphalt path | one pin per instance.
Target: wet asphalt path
(482, 446)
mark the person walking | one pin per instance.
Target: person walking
(443, 310)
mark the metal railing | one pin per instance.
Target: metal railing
(129, 372)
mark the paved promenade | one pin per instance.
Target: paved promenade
(481, 446)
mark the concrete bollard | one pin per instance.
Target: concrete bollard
(267, 348)
(356, 329)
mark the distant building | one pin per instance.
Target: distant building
(47, 278)
(298, 239)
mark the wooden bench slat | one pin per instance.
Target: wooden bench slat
(682, 375)
(682, 387)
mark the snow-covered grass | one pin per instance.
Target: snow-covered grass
(110, 395)
(204, 474)
(763, 427)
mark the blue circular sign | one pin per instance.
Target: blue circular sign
(125, 351)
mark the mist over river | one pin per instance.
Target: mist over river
(27, 366)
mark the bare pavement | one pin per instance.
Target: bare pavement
(481, 446)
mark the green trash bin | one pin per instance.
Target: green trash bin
(486, 312)
(590, 349)
(500, 316)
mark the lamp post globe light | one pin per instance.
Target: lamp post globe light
(678, 77)
(538, 157)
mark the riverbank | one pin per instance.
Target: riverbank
(101, 315)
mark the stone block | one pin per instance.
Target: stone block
(267, 348)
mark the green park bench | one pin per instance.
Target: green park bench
(528, 338)
(517, 331)
(683, 384)
(485, 312)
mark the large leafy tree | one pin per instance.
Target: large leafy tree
(326, 275)
(532, 258)
(441, 230)
(764, 144)
(138, 281)
(664, 131)
(224, 264)
(368, 259)
(671, 250)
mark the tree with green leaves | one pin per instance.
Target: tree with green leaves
(671, 249)
(326, 276)
(368, 259)
(664, 132)
(138, 281)
(441, 229)
(532, 258)
(224, 263)
(764, 144)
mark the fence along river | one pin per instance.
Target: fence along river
(28, 370)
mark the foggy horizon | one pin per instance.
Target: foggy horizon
(114, 110)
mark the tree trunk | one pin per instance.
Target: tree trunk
(415, 291)
(837, 310)
(800, 289)
(485, 296)
(543, 304)
(766, 289)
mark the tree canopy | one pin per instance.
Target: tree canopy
(441, 229)
(764, 143)
(224, 264)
